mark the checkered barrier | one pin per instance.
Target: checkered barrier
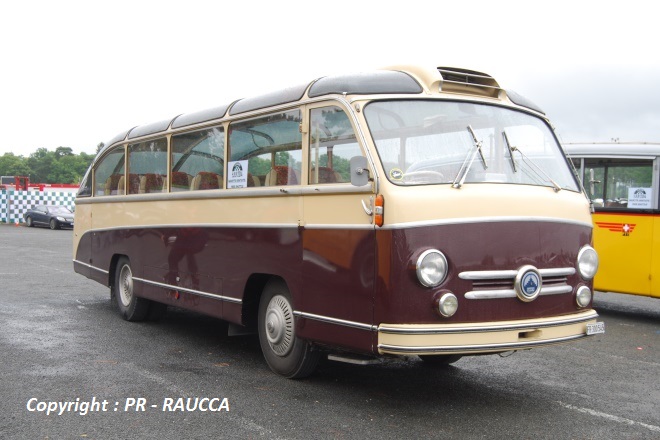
(13, 204)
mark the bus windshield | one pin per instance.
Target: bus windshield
(445, 142)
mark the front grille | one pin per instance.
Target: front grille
(495, 284)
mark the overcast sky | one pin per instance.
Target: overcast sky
(76, 73)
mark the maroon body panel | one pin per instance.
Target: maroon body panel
(331, 272)
(338, 272)
(331, 275)
(400, 298)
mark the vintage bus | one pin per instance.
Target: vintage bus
(400, 212)
(623, 183)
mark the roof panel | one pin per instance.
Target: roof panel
(147, 129)
(366, 84)
(284, 96)
(200, 116)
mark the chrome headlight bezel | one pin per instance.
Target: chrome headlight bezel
(448, 305)
(431, 268)
(583, 296)
(587, 262)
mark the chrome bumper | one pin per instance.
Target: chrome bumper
(489, 337)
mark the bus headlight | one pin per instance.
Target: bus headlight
(447, 305)
(431, 268)
(587, 262)
(583, 296)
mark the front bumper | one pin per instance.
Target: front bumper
(488, 337)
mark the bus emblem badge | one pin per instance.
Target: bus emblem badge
(528, 283)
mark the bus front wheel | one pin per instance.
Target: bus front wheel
(285, 354)
(131, 307)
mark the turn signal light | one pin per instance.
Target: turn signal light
(379, 210)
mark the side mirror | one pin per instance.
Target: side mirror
(359, 171)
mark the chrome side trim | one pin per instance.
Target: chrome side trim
(91, 267)
(337, 321)
(397, 349)
(344, 226)
(199, 225)
(466, 220)
(191, 291)
(366, 226)
(510, 293)
(467, 328)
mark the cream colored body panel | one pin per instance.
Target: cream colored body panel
(344, 210)
(480, 202)
(278, 206)
(82, 224)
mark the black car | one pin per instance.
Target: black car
(47, 215)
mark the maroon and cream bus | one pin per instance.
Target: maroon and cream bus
(400, 212)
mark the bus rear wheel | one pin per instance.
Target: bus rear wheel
(131, 307)
(285, 354)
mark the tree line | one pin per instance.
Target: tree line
(44, 166)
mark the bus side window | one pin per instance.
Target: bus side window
(265, 151)
(147, 167)
(198, 160)
(332, 143)
(619, 183)
(108, 172)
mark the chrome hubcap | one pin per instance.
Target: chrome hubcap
(279, 325)
(125, 285)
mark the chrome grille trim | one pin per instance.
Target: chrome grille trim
(510, 293)
(501, 274)
(493, 284)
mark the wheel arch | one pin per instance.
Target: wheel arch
(254, 288)
(112, 270)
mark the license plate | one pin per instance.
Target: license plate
(595, 328)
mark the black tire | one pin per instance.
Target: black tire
(285, 354)
(440, 360)
(54, 224)
(28, 221)
(130, 307)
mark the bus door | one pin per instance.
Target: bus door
(626, 226)
(338, 238)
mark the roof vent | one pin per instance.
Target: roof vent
(468, 82)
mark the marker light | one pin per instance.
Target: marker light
(431, 268)
(587, 262)
(583, 296)
(447, 305)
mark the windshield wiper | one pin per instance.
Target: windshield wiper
(511, 148)
(467, 163)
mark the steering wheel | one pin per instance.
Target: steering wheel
(427, 176)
